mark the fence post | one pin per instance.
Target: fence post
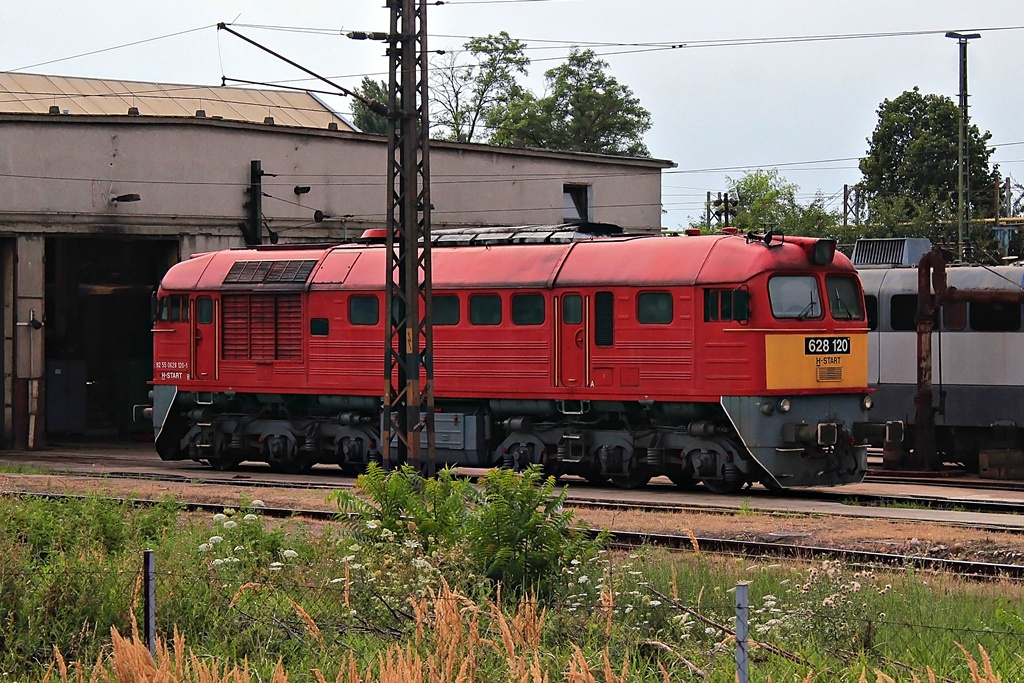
(742, 646)
(149, 593)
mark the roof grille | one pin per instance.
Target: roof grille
(890, 251)
(269, 272)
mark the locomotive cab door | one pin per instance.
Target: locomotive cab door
(573, 342)
(204, 339)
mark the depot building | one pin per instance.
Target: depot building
(106, 184)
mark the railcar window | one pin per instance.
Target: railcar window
(604, 319)
(795, 296)
(446, 309)
(485, 309)
(363, 310)
(319, 327)
(572, 309)
(723, 305)
(871, 302)
(902, 311)
(654, 308)
(954, 315)
(994, 317)
(528, 309)
(174, 309)
(843, 297)
(204, 310)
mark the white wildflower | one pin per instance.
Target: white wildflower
(336, 581)
(275, 566)
(230, 524)
(250, 518)
(216, 539)
(387, 534)
(205, 547)
(654, 603)
(290, 554)
(411, 543)
(257, 503)
(583, 579)
(239, 548)
(354, 547)
(372, 524)
(356, 565)
(218, 562)
(574, 562)
(219, 517)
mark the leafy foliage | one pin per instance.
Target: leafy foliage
(910, 170)
(521, 535)
(516, 531)
(401, 501)
(767, 201)
(464, 96)
(585, 110)
(366, 120)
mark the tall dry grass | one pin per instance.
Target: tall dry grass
(451, 636)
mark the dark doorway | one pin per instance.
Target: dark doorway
(99, 349)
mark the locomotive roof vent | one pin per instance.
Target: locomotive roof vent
(522, 234)
(890, 251)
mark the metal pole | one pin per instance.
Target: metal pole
(961, 212)
(742, 623)
(963, 177)
(149, 597)
(408, 358)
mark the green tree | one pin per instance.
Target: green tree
(585, 110)
(366, 120)
(764, 200)
(910, 175)
(464, 96)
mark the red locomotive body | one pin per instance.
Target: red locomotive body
(721, 359)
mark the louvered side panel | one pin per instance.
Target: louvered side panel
(235, 326)
(262, 324)
(289, 327)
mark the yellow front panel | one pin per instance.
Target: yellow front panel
(816, 361)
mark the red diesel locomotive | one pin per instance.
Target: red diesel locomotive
(721, 359)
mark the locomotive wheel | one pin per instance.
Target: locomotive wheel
(634, 480)
(224, 463)
(722, 486)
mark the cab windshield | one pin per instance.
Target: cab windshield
(844, 297)
(795, 296)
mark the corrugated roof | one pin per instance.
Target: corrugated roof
(35, 94)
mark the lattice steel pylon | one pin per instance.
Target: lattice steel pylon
(409, 343)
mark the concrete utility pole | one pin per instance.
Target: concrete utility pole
(963, 177)
(409, 344)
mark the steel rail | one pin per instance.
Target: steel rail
(851, 499)
(635, 539)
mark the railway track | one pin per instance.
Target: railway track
(686, 543)
(582, 496)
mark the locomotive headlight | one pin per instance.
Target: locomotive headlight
(784, 405)
(867, 403)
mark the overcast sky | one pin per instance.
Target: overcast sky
(805, 107)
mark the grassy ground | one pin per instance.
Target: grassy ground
(472, 598)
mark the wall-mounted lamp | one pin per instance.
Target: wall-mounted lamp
(123, 198)
(302, 189)
(274, 237)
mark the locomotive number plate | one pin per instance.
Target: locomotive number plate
(816, 346)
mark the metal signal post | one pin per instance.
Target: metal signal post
(408, 355)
